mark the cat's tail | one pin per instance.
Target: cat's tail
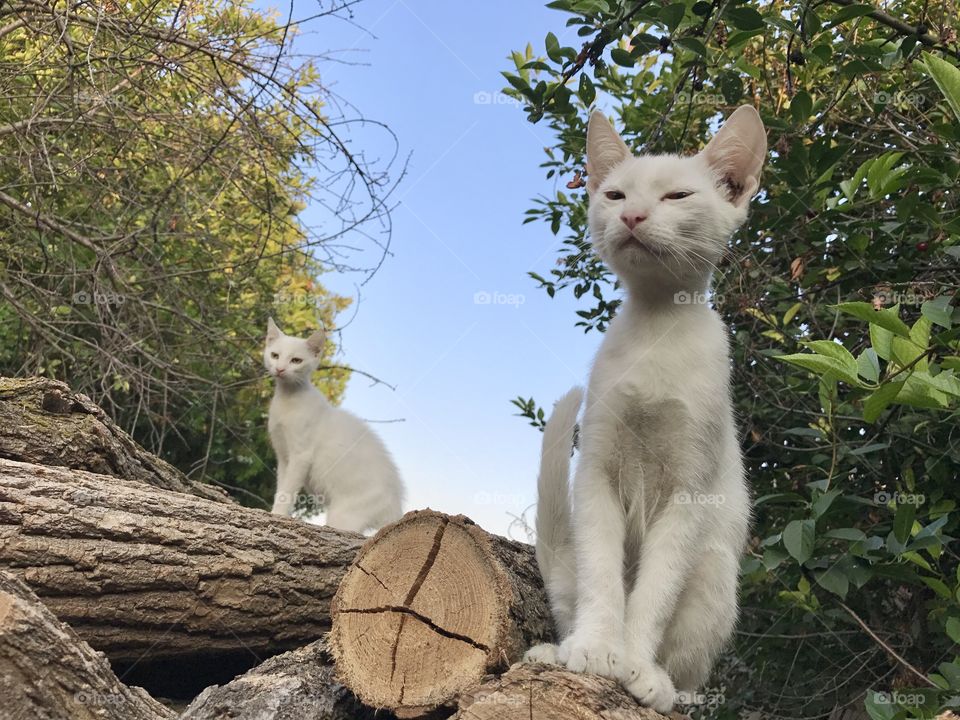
(553, 485)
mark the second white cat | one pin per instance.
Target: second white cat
(642, 570)
(323, 449)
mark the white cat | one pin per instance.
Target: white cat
(643, 577)
(324, 449)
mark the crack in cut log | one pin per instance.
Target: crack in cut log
(409, 612)
(427, 565)
(478, 598)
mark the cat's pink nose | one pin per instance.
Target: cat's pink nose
(280, 371)
(631, 221)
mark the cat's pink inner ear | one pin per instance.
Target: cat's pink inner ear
(273, 332)
(315, 342)
(605, 150)
(737, 153)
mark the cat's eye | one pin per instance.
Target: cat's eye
(275, 356)
(296, 361)
(614, 195)
(679, 195)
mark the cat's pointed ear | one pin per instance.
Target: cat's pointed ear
(737, 153)
(273, 332)
(315, 342)
(605, 149)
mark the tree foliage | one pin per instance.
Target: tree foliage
(840, 299)
(155, 159)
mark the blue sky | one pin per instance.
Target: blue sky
(455, 362)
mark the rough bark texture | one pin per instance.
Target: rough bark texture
(548, 692)
(430, 606)
(298, 685)
(42, 421)
(145, 573)
(48, 673)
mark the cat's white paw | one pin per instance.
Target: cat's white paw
(591, 655)
(542, 653)
(650, 685)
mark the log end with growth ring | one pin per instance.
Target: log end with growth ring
(432, 604)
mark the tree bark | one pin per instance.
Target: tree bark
(548, 692)
(297, 685)
(42, 421)
(48, 673)
(145, 573)
(430, 606)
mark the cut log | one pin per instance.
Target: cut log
(48, 673)
(548, 692)
(42, 421)
(298, 685)
(144, 573)
(430, 606)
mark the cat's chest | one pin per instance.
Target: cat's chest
(672, 358)
(290, 422)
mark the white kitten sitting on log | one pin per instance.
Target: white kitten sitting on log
(642, 571)
(323, 449)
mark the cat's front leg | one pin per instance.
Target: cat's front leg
(669, 550)
(595, 644)
(291, 476)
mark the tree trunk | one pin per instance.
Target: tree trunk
(298, 685)
(145, 573)
(548, 692)
(43, 422)
(430, 606)
(48, 673)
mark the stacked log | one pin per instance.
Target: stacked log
(107, 554)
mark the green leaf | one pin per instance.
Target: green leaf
(851, 534)
(850, 12)
(823, 503)
(692, 44)
(798, 539)
(671, 15)
(878, 401)
(868, 365)
(920, 390)
(938, 311)
(834, 580)
(801, 106)
(879, 707)
(903, 521)
(622, 57)
(823, 365)
(887, 318)
(553, 48)
(953, 629)
(947, 78)
(882, 341)
(586, 91)
(745, 18)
